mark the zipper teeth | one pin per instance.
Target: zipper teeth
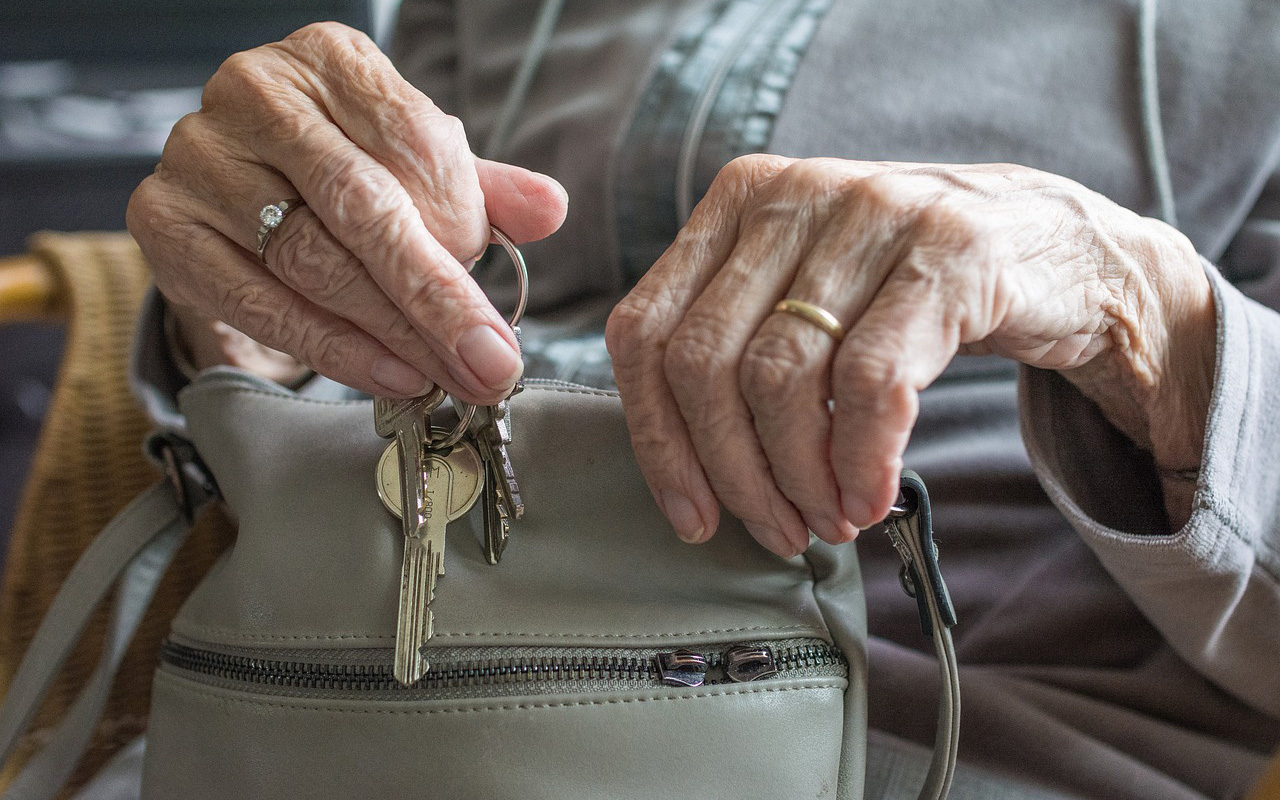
(481, 672)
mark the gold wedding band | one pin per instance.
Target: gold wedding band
(816, 315)
(270, 218)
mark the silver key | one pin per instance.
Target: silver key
(503, 502)
(497, 523)
(493, 434)
(408, 424)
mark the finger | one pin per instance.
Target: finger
(705, 360)
(426, 150)
(300, 253)
(255, 302)
(367, 208)
(932, 301)
(786, 375)
(638, 334)
(228, 188)
(304, 256)
(524, 205)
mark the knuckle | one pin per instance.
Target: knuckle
(194, 152)
(249, 307)
(453, 201)
(756, 165)
(949, 223)
(370, 209)
(256, 88)
(144, 206)
(325, 347)
(440, 294)
(632, 330)
(308, 260)
(871, 380)
(236, 81)
(695, 354)
(189, 128)
(771, 368)
(881, 191)
(741, 175)
(325, 35)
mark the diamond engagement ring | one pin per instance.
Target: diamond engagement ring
(271, 216)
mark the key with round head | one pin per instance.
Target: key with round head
(454, 481)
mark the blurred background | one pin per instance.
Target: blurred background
(88, 92)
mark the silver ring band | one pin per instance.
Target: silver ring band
(466, 411)
(270, 218)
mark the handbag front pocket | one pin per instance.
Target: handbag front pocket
(762, 719)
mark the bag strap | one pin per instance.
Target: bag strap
(137, 546)
(910, 528)
(132, 552)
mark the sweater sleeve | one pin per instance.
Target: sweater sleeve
(1213, 587)
(425, 51)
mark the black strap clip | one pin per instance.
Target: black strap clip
(910, 527)
(191, 481)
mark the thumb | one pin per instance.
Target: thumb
(525, 205)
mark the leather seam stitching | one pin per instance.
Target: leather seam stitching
(200, 631)
(214, 696)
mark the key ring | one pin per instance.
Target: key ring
(467, 411)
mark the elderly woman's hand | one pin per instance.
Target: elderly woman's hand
(367, 283)
(727, 399)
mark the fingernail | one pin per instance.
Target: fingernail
(398, 377)
(856, 510)
(832, 530)
(490, 357)
(846, 530)
(683, 516)
(771, 538)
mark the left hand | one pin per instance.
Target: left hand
(728, 401)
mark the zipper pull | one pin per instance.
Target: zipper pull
(746, 663)
(682, 668)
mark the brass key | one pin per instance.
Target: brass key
(408, 424)
(454, 481)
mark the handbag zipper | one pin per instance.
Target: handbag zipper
(484, 671)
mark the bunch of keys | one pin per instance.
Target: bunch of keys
(429, 478)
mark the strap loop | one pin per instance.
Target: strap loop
(189, 479)
(910, 529)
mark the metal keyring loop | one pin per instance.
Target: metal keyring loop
(467, 411)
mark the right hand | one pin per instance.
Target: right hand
(367, 283)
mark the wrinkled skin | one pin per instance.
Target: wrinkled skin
(367, 282)
(727, 402)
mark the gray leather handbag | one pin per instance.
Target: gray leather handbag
(600, 658)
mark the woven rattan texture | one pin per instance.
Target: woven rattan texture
(87, 466)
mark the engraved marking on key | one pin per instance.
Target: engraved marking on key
(408, 424)
(453, 483)
(389, 474)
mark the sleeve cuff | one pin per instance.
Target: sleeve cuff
(1213, 586)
